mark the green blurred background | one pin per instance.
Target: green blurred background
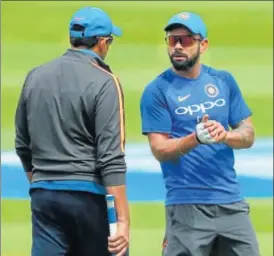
(241, 41)
(240, 34)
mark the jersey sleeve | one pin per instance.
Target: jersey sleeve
(155, 116)
(109, 131)
(238, 108)
(22, 137)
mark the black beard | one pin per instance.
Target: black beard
(184, 65)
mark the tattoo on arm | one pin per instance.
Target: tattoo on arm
(246, 132)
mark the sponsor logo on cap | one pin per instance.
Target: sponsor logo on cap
(79, 18)
(184, 15)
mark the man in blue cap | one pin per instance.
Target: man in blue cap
(195, 116)
(70, 139)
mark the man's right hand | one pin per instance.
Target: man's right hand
(119, 243)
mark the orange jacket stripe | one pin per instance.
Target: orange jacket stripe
(121, 106)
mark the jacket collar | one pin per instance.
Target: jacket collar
(81, 55)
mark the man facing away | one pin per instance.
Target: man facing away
(70, 138)
(187, 112)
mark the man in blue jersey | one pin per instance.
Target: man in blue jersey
(70, 139)
(187, 112)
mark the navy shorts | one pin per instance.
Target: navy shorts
(68, 223)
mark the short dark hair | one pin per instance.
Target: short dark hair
(175, 26)
(89, 42)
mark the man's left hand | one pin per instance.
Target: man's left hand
(216, 130)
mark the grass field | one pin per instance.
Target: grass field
(147, 227)
(240, 35)
(241, 41)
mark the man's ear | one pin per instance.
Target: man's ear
(101, 44)
(204, 45)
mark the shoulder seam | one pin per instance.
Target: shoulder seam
(105, 71)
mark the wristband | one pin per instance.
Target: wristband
(198, 139)
(178, 146)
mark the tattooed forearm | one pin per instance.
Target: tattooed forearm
(242, 136)
(246, 132)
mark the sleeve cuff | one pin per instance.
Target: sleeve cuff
(27, 166)
(146, 131)
(236, 121)
(114, 179)
(26, 161)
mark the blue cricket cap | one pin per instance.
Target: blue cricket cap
(95, 21)
(190, 20)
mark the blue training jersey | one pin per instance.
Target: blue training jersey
(172, 104)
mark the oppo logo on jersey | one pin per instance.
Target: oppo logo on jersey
(199, 107)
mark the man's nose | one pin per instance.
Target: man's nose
(178, 45)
